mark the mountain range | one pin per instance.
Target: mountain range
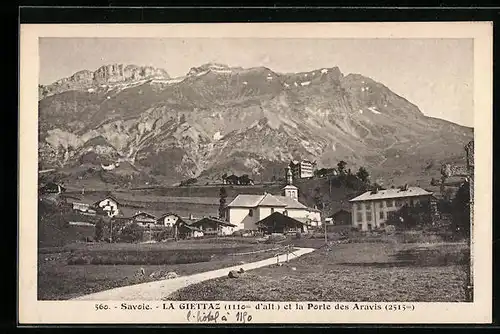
(219, 119)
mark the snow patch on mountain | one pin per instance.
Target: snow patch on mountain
(374, 110)
(217, 136)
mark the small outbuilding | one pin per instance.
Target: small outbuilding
(280, 223)
(341, 217)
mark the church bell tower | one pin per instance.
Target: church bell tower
(290, 190)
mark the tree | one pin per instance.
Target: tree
(318, 201)
(222, 203)
(99, 229)
(341, 166)
(244, 179)
(461, 210)
(131, 233)
(363, 174)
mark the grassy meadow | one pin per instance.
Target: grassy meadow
(78, 269)
(363, 272)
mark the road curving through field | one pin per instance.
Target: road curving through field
(159, 290)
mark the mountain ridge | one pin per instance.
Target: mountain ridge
(218, 116)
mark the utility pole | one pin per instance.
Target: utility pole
(111, 230)
(326, 235)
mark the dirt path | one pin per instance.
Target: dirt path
(160, 289)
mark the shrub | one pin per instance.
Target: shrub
(163, 234)
(131, 233)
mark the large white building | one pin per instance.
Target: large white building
(371, 209)
(302, 169)
(246, 210)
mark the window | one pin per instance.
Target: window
(250, 213)
(369, 227)
(381, 204)
(381, 214)
(359, 217)
(411, 202)
(360, 226)
(358, 206)
(272, 210)
(382, 225)
(368, 216)
(399, 203)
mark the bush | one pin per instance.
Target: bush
(131, 233)
(163, 234)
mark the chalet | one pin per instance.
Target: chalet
(214, 226)
(370, 209)
(246, 210)
(280, 223)
(184, 230)
(144, 219)
(88, 205)
(168, 219)
(341, 217)
(108, 205)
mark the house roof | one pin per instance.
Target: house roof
(145, 214)
(107, 197)
(339, 212)
(212, 219)
(391, 193)
(168, 214)
(280, 219)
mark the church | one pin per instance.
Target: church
(245, 211)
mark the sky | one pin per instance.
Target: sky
(434, 74)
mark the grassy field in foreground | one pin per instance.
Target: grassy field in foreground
(350, 272)
(57, 280)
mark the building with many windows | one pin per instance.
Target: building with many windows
(371, 209)
(302, 169)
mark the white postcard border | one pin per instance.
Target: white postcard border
(32, 311)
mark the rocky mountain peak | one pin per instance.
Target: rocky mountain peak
(112, 73)
(104, 75)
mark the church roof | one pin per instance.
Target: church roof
(291, 203)
(246, 201)
(270, 200)
(252, 201)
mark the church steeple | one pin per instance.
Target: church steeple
(290, 190)
(289, 176)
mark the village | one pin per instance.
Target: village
(126, 239)
(251, 214)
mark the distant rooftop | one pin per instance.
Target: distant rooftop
(391, 193)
